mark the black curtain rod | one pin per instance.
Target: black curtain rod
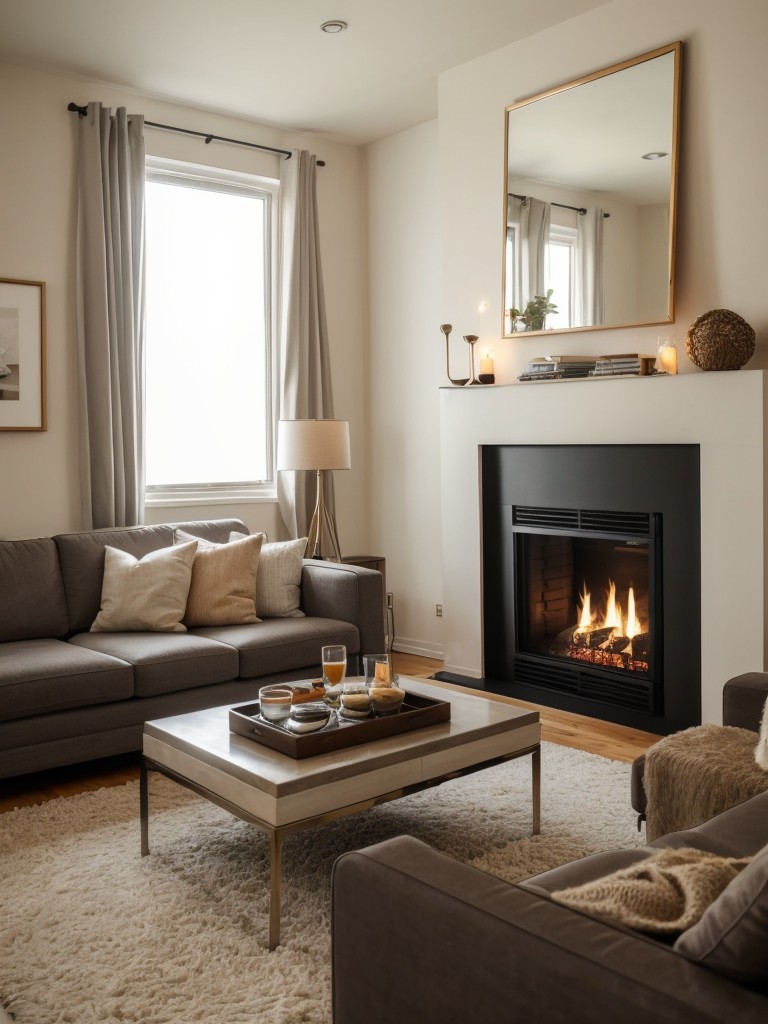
(578, 209)
(82, 111)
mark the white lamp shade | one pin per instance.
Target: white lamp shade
(313, 444)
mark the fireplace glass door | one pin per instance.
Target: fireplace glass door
(587, 593)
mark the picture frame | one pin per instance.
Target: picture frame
(22, 355)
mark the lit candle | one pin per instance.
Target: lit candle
(668, 358)
(486, 363)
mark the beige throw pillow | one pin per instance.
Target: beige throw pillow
(278, 584)
(761, 750)
(223, 588)
(148, 594)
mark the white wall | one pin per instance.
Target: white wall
(720, 262)
(407, 360)
(724, 72)
(39, 492)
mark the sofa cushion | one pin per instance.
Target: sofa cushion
(38, 676)
(278, 583)
(81, 556)
(149, 593)
(32, 593)
(166, 662)
(280, 645)
(223, 588)
(732, 936)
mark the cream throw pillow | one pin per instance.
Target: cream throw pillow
(761, 750)
(148, 594)
(223, 588)
(278, 583)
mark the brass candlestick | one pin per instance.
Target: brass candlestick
(471, 339)
(446, 329)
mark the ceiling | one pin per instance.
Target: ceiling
(270, 62)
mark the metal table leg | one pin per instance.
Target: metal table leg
(536, 789)
(144, 808)
(275, 852)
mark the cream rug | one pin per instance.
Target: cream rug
(91, 932)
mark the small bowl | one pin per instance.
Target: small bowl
(386, 700)
(275, 702)
(355, 700)
(308, 717)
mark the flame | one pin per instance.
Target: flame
(612, 618)
(585, 618)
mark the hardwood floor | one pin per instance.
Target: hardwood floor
(590, 734)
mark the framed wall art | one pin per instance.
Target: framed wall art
(22, 355)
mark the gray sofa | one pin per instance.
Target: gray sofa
(68, 695)
(439, 941)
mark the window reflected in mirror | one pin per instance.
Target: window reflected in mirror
(590, 200)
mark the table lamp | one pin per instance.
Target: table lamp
(317, 445)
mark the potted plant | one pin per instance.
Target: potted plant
(537, 310)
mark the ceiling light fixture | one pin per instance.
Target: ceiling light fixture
(656, 155)
(333, 27)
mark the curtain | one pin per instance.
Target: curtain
(532, 239)
(110, 315)
(305, 378)
(590, 305)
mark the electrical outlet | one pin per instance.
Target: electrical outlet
(439, 611)
(390, 599)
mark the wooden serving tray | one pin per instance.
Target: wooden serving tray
(416, 713)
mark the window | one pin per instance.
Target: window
(209, 249)
(561, 275)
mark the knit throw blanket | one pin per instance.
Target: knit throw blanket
(695, 774)
(664, 894)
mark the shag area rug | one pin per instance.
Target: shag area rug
(91, 932)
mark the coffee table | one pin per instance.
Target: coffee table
(282, 795)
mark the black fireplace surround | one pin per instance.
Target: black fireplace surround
(591, 580)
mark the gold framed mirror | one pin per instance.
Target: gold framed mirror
(590, 200)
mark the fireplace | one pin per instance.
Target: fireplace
(591, 579)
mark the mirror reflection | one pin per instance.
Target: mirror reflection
(590, 200)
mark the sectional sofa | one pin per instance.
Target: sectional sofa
(68, 694)
(439, 942)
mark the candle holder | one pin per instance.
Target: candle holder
(471, 340)
(458, 382)
(666, 355)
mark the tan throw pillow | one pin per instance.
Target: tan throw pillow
(148, 594)
(223, 588)
(278, 583)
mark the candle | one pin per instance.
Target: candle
(668, 357)
(486, 364)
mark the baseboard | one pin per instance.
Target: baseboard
(419, 648)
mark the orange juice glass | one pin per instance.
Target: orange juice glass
(334, 663)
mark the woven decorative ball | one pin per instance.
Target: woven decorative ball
(720, 340)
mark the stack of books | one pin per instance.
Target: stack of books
(558, 367)
(632, 364)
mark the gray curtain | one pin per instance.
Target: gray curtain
(532, 239)
(305, 377)
(110, 315)
(590, 301)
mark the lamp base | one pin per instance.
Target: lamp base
(322, 527)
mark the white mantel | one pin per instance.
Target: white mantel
(724, 413)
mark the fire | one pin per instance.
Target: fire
(613, 618)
